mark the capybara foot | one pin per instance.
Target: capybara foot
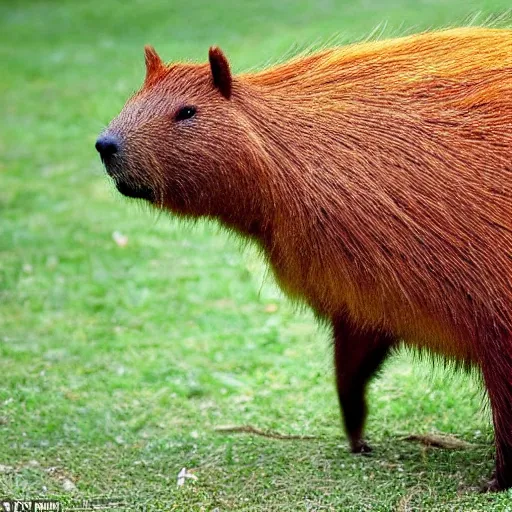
(491, 485)
(361, 447)
(495, 484)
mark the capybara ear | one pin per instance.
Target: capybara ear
(153, 61)
(220, 71)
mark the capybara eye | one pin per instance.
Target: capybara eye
(185, 113)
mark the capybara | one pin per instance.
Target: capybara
(376, 178)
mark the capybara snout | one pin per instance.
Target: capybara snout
(107, 146)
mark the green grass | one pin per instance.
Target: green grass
(118, 363)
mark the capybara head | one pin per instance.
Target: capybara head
(182, 141)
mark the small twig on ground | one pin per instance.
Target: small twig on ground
(438, 441)
(249, 429)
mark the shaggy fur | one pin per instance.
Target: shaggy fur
(377, 180)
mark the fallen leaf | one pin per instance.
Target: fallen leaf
(120, 239)
(184, 474)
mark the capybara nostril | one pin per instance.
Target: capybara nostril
(107, 145)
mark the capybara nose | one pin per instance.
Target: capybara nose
(107, 145)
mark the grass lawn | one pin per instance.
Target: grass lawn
(121, 357)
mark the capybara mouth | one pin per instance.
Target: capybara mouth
(127, 188)
(135, 191)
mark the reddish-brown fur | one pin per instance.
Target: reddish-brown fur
(377, 178)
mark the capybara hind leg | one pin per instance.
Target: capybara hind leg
(357, 356)
(497, 370)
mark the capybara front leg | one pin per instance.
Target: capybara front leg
(498, 379)
(357, 356)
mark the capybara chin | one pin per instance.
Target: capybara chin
(377, 179)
